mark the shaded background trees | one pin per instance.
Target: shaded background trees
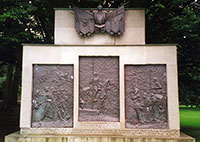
(167, 21)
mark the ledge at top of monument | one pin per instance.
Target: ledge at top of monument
(104, 9)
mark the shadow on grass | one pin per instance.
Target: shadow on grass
(190, 122)
(193, 132)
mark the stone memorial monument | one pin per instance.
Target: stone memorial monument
(99, 82)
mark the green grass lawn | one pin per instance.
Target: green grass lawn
(190, 121)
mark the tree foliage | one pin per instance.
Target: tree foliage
(167, 21)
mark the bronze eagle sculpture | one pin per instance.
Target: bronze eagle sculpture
(87, 23)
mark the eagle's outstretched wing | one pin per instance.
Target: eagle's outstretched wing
(84, 22)
(115, 24)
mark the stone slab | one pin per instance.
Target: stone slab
(17, 137)
(102, 132)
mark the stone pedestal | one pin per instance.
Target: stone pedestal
(132, 55)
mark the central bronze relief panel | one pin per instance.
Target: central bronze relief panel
(99, 89)
(52, 100)
(146, 96)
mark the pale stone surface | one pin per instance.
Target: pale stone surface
(157, 54)
(131, 36)
(128, 55)
(67, 36)
(16, 137)
(76, 92)
(173, 106)
(122, 97)
(98, 125)
(134, 30)
(99, 39)
(135, 18)
(64, 19)
(102, 132)
(25, 117)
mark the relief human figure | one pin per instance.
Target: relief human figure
(59, 103)
(51, 108)
(85, 97)
(102, 99)
(41, 107)
(90, 93)
(146, 97)
(138, 105)
(95, 96)
(156, 86)
(162, 109)
(106, 88)
(157, 107)
(158, 101)
(52, 96)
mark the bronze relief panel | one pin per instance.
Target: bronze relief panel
(99, 89)
(52, 96)
(146, 96)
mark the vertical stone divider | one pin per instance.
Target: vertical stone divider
(173, 109)
(25, 113)
(122, 93)
(76, 91)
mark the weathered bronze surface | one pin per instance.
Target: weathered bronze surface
(86, 23)
(99, 89)
(52, 103)
(146, 96)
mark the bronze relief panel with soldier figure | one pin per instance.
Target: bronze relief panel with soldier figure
(52, 100)
(99, 89)
(146, 96)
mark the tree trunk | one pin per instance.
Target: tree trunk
(8, 86)
(15, 84)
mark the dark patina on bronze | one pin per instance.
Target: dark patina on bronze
(99, 89)
(86, 23)
(52, 100)
(146, 96)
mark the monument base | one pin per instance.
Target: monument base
(17, 137)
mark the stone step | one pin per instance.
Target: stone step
(17, 137)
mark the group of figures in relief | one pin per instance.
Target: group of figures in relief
(99, 91)
(146, 97)
(145, 88)
(52, 96)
